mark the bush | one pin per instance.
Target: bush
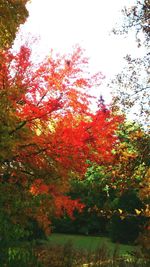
(84, 223)
(44, 255)
(18, 255)
(35, 231)
(67, 256)
(126, 229)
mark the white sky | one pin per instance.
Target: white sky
(60, 24)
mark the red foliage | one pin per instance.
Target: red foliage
(51, 131)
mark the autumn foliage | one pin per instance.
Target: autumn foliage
(13, 13)
(48, 132)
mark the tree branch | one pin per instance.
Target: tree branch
(18, 127)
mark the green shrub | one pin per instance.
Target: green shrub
(45, 255)
(18, 255)
(84, 223)
(126, 229)
(35, 231)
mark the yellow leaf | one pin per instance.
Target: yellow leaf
(137, 211)
(120, 211)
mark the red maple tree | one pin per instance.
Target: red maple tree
(48, 130)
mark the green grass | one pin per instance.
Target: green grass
(89, 242)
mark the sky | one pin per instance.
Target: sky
(61, 24)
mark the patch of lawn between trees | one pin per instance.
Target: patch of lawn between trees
(89, 243)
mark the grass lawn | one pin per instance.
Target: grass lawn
(89, 242)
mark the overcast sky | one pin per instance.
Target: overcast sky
(60, 24)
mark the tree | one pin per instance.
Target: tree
(131, 86)
(12, 14)
(131, 157)
(131, 89)
(130, 179)
(47, 135)
(112, 192)
(92, 192)
(138, 17)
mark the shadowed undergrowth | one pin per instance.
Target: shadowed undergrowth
(72, 252)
